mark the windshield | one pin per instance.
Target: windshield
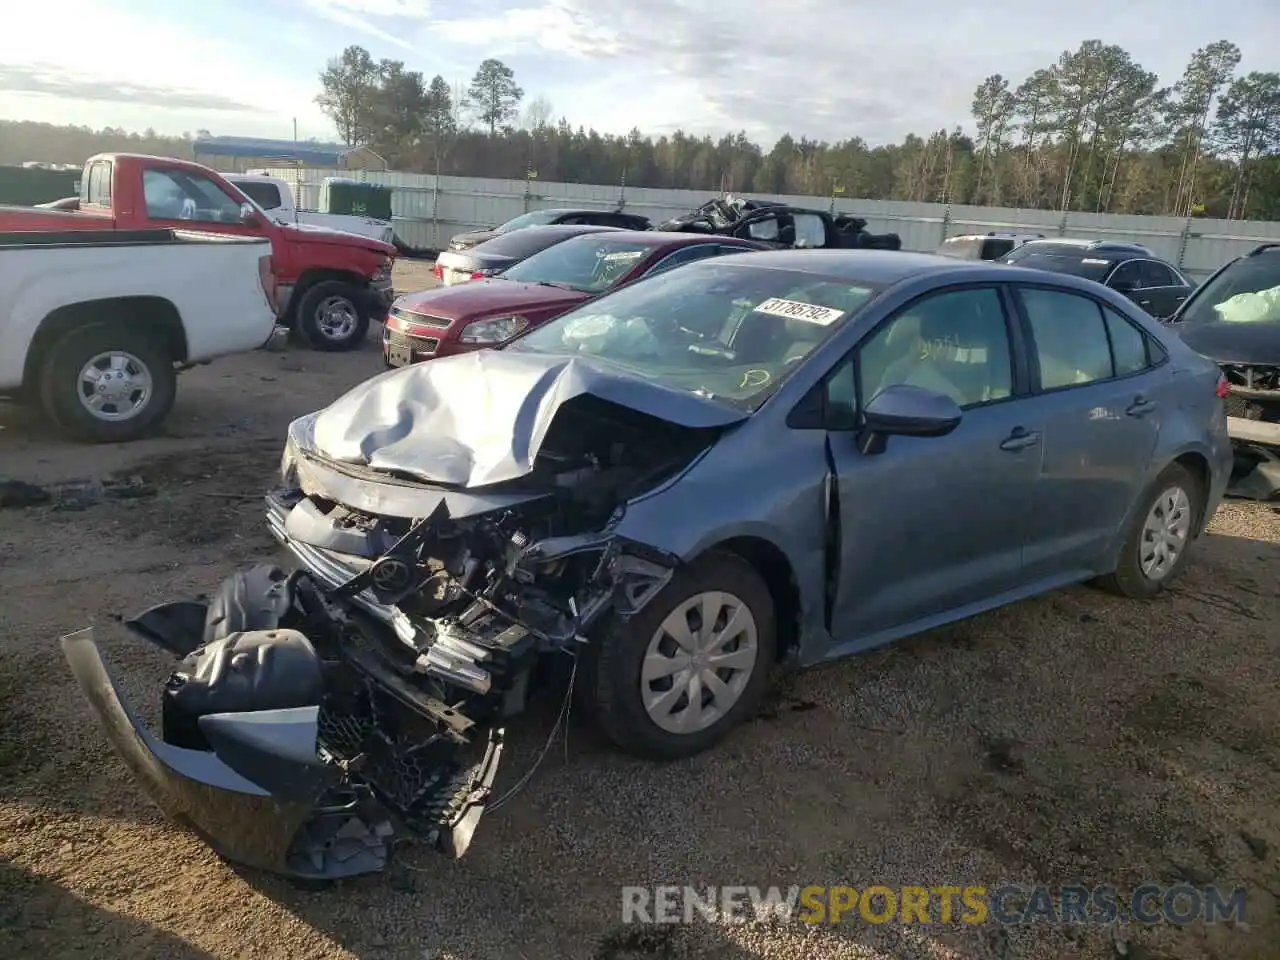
(1248, 291)
(534, 218)
(1061, 259)
(587, 264)
(725, 332)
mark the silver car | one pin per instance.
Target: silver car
(663, 496)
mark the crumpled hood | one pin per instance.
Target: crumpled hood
(1225, 342)
(314, 233)
(480, 418)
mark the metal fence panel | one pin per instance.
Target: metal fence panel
(428, 210)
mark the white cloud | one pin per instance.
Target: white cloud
(828, 69)
(181, 78)
(555, 27)
(357, 14)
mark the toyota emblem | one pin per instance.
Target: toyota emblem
(391, 574)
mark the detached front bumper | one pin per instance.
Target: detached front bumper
(296, 836)
(288, 755)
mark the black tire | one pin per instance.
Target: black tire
(1128, 579)
(611, 675)
(308, 312)
(59, 384)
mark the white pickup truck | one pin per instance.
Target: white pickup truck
(95, 324)
(276, 199)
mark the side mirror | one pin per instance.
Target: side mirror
(249, 215)
(906, 411)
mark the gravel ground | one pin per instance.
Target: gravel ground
(1072, 738)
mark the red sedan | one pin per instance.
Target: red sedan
(471, 316)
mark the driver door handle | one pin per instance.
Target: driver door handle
(1140, 407)
(1020, 439)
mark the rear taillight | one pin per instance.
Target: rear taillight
(438, 272)
(1223, 389)
(479, 274)
(267, 279)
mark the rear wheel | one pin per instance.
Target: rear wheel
(107, 382)
(333, 316)
(1158, 541)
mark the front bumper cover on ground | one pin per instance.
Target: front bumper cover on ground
(267, 791)
(240, 819)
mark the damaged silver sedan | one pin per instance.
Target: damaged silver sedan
(774, 458)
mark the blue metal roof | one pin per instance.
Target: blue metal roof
(319, 154)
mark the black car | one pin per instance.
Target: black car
(1127, 268)
(546, 218)
(505, 250)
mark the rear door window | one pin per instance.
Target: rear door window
(1127, 276)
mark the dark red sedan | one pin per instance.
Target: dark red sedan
(483, 313)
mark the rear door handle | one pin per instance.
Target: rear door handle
(1140, 407)
(1019, 440)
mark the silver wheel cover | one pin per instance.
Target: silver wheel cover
(698, 662)
(1165, 533)
(336, 318)
(114, 386)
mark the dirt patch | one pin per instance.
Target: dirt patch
(1075, 738)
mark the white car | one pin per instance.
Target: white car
(94, 324)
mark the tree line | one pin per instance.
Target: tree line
(1094, 131)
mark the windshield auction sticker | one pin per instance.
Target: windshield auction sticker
(795, 310)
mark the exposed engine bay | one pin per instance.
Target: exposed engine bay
(320, 714)
(1254, 399)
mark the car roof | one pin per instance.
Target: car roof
(676, 238)
(1100, 247)
(879, 267)
(561, 211)
(567, 229)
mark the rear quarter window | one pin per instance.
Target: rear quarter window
(265, 195)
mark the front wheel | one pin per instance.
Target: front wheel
(108, 382)
(333, 316)
(690, 666)
(1158, 541)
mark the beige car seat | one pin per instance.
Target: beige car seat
(959, 352)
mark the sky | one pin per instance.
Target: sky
(826, 69)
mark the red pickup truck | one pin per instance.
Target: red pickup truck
(328, 284)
